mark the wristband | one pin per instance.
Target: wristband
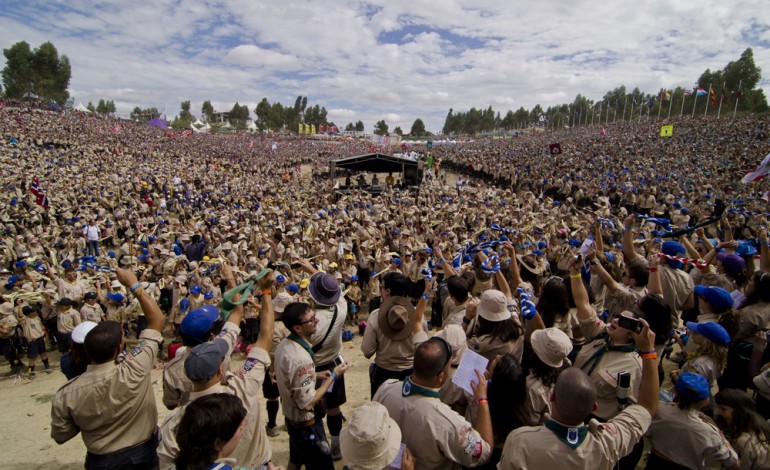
(628, 227)
(652, 351)
(466, 320)
(334, 377)
(522, 247)
(267, 292)
(134, 287)
(649, 356)
(763, 243)
(425, 296)
(574, 276)
(442, 260)
(482, 400)
(652, 270)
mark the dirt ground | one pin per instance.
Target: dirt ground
(26, 417)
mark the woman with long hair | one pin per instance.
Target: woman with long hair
(710, 357)
(746, 430)
(209, 431)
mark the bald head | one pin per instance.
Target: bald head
(430, 357)
(574, 396)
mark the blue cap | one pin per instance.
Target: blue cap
(195, 290)
(20, 264)
(693, 386)
(672, 248)
(713, 332)
(111, 254)
(116, 297)
(353, 278)
(719, 298)
(294, 288)
(610, 257)
(397, 261)
(198, 322)
(280, 278)
(142, 243)
(541, 245)
(746, 249)
(208, 295)
(261, 252)
(184, 305)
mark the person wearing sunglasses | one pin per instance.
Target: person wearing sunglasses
(438, 437)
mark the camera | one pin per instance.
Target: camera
(629, 323)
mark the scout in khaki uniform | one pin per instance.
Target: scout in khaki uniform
(66, 321)
(112, 404)
(296, 377)
(565, 442)
(91, 310)
(205, 366)
(389, 334)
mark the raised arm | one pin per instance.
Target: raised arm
(579, 293)
(515, 273)
(449, 271)
(598, 269)
(650, 384)
(628, 240)
(155, 318)
(266, 314)
(654, 285)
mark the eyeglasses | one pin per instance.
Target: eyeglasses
(311, 320)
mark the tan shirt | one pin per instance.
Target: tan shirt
(753, 318)
(253, 449)
(677, 287)
(176, 385)
(67, 321)
(539, 448)
(92, 313)
(754, 454)
(393, 355)
(332, 346)
(295, 376)
(605, 374)
(538, 402)
(697, 442)
(452, 313)
(74, 291)
(32, 327)
(438, 437)
(112, 405)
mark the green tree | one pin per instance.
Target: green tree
(262, 112)
(90, 107)
(101, 107)
(398, 130)
(41, 72)
(207, 110)
(381, 128)
(143, 114)
(239, 115)
(350, 127)
(184, 111)
(745, 73)
(418, 128)
(111, 107)
(359, 126)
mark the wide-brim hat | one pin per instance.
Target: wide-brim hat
(394, 317)
(552, 346)
(371, 439)
(324, 289)
(534, 269)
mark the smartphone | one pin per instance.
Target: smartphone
(295, 265)
(630, 323)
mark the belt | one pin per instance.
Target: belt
(300, 424)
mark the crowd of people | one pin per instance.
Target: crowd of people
(578, 276)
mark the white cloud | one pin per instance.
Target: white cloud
(456, 53)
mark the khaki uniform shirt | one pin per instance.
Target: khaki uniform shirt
(605, 374)
(332, 346)
(753, 318)
(92, 313)
(438, 437)
(176, 385)
(696, 443)
(67, 321)
(253, 449)
(677, 286)
(8, 321)
(539, 448)
(112, 405)
(754, 453)
(452, 313)
(74, 291)
(538, 402)
(393, 355)
(115, 313)
(32, 327)
(295, 376)
(707, 367)
(622, 298)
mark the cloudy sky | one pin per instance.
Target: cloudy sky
(396, 60)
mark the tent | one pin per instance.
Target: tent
(82, 108)
(407, 165)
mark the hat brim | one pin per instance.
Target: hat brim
(318, 297)
(382, 318)
(533, 269)
(537, 341)
(361, 458)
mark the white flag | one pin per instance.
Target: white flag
(762, 170)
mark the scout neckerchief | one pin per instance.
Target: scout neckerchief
(297, 339)
(573, 437)
(593, 361)
(411, 388)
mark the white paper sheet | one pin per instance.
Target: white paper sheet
(466, 371)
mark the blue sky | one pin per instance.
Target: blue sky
(395, 60)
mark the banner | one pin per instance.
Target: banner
(555, 148)
(762, 170)
(666, 131)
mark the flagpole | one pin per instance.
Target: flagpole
(661, 103)
(641, 106)
(625, 100)
(615, 113)
(681, 111)
(708, 98)
(719, 112)
(694, 102)
(631, 114)
(670, 104)
(737, 97)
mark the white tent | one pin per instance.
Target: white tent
(82, 108)
(252, 126)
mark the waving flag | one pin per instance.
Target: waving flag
(34, 187)
(713, 97)
(762, 170)
(701, 92)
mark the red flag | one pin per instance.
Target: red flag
(713, 97)
(555, 149)
(34, 186)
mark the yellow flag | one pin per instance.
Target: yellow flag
(312, 128)
(299, 131)
(666, 131)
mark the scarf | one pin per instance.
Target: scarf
(411, 388)
(573, 437)
(596, 357)
(296, 338)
